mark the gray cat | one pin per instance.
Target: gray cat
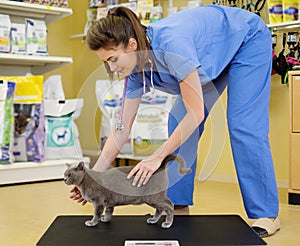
(112, 188)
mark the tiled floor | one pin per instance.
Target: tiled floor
(28, 210)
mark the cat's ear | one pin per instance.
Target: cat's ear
(68, 165)
(80, 166)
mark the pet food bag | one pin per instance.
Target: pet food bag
(6, 121)
(62, 135)
(36, 37)
(109, 97)
(5, 25)
(275, 11)
(150, 129)
(28, 118)
(17, 38)
(290, 10)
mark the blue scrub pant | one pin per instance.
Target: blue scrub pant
(248, 80)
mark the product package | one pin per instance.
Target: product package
(290, 10)
(36, 37)
(62, 135)
(6, 121)
(28, 118)
(275, 11)
(5, 26)
(150, 129)
(109, 97)
(17, 39)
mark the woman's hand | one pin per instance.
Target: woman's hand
(143, 171)
(76, 196)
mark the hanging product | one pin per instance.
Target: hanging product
(275, 11)
(290, 10)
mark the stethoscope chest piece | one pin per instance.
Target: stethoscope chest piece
(120, 126)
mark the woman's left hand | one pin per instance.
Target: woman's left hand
(143, 171)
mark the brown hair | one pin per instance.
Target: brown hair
(116, 29)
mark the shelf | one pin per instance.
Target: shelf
(35, 64)
(285, 25)
(35, 11)
(11, 64)
(24, 172)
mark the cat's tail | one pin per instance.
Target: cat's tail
(182, 169)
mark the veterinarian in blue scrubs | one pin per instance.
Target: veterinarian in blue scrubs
(196, 54)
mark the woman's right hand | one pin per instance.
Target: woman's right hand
(76, 196)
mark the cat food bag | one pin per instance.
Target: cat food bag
(5, 25)
(290, 10)
(109, 97)
(62, 135)
(150, 129)
(28, 118)
(17, 38)
(36, 37)
(275, 11)
(6, 121)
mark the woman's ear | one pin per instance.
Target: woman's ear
(132, 44)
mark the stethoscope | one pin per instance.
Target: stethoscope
(120, 125)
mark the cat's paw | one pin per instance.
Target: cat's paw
(166, 225)
(152, 220)
(105, 219)
(90, 223)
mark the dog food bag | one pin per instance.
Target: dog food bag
(275, 11)
(28, 118)
(6, 121)
(109, 97)
(5, 25)
(17, 38)
(36, 37)
(62, 135)
(290, 10)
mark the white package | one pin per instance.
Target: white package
(61, 132)
(36, 37)
(17, 39)
(5, 25)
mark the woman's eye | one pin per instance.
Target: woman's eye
(114, 59)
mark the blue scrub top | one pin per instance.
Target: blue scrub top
(205, 38)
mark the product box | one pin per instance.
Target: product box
(17, 39)
(5, 26)
(143, 10)
(290, 10)
(275, 11)
(36, 37)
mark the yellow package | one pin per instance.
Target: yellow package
(290, 10)
(29, 89)
(275, 11)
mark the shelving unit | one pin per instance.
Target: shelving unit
(20, 172)
(22, 10)
(285, 25)
(24, 172)
(21, 64)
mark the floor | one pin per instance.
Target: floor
(27, 210)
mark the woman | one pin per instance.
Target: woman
(195, 54)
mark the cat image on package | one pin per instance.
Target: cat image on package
(111, 188)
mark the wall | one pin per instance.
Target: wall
(214, 147)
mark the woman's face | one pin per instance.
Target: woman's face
(121, 60)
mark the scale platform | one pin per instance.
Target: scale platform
(187, 230)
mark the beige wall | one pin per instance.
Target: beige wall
(79, 81)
